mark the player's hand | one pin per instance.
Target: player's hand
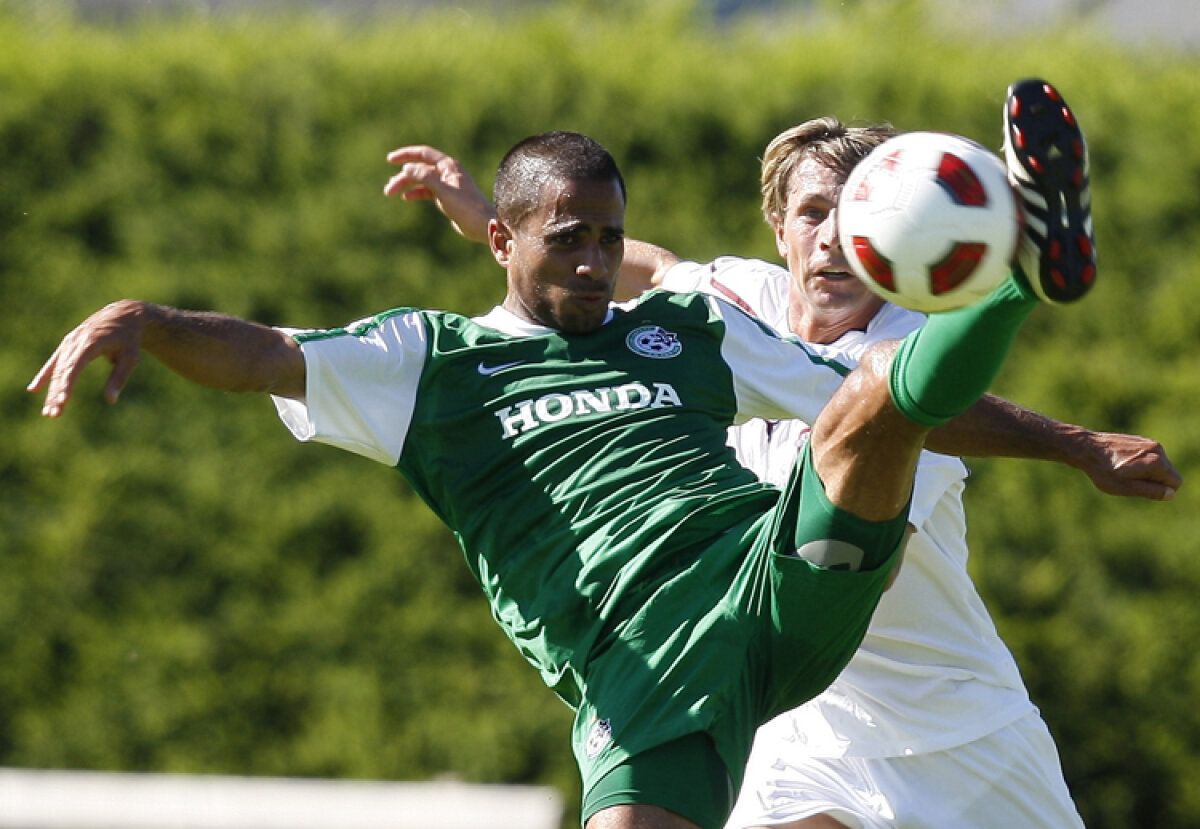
(427, 173)
(1132, 466)
(113, 332)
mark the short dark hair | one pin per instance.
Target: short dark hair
(550, 156)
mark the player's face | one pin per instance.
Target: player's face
(807, 238)
(562, 261)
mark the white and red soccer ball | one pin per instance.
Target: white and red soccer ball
(929, 221)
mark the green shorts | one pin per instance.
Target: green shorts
(745, 631)
(685, 776)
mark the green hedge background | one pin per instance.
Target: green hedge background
(184, 589)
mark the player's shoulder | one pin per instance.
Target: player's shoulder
(384, 323)
(756, 286)
(666, 302)
(698, 307)
(692, 275)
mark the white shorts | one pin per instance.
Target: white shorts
(1006, 779)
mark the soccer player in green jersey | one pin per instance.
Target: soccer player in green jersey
(577, 449)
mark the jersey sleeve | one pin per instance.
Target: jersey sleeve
(757, 287)
(360, 385)
(773, 377)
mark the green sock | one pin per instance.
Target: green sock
(948, 363)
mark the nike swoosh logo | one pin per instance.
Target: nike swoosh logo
(487, 371)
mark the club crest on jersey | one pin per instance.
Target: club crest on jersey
(654, 341)
(598, 738)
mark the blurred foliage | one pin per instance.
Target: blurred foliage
(184, 589)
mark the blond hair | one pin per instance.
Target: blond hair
(826, 140)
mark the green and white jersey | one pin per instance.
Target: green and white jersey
(576, 471)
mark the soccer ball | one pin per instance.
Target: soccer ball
(929, 221)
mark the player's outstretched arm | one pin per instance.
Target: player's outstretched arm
(1117, 464)
(214, 350)
(428, 174)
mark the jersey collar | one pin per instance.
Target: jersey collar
(506, 322)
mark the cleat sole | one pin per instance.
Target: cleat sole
(1048, 164)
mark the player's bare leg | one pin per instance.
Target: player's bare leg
(866, 442)
(864, 450)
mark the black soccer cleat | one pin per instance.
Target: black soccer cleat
(1047, 161)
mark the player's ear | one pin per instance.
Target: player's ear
(500, 240)
(777, 227)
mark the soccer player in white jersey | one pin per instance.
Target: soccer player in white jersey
(930, 724)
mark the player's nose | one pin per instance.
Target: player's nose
(829, 236)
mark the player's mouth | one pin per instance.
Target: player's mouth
(834, 273)
(591, 295)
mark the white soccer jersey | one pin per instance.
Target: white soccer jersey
(932, 672)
